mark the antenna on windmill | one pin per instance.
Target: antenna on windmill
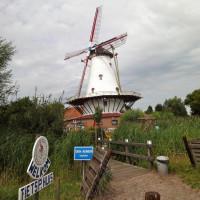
(94, 46)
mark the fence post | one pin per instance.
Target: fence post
(109, 142)
(152, 196)
(102, 138)
(36, 196)
(96, 142)
(127, 151)
(99, 142)
(188, 151)
(58, 188)
(150, 153)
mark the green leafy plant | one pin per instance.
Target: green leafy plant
(131, 115)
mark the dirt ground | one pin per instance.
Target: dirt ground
(170, 187)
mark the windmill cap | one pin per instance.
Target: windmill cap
(101, 51)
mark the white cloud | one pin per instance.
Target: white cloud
(159, 60)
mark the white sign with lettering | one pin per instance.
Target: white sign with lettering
(37, 185)
(37, 168)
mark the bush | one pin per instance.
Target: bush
(162, 115)
(63, 154)
(131, 115)
(175, 106)
(20, 121)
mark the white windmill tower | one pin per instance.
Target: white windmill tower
(103, 89)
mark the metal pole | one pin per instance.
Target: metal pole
(36, 195)
(83, 169)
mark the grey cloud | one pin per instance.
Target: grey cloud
(159, 60)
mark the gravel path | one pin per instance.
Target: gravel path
(169, 187)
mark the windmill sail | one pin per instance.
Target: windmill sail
(75, 53)
(109, 44)
(96, 25)
(113, 43)
(94, 35)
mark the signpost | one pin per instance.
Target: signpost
(37, 168)
(83, 154)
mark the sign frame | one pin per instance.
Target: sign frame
(83, 153)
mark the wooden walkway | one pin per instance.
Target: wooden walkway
(131, 183)
(122, 170)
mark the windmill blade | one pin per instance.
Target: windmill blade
(96, 25)
(75, 53)
(83, 75)
(93, 38)
(112, 43)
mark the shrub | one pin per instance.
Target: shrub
(63, 154)
(162, 115)
(131, 115)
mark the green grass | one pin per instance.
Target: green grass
(15, 155)
(167, 141)
(69, 188)
(16, 147)
(182, 166)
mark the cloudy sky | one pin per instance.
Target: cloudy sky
(160, 59)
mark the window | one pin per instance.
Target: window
(100, 76)
(114, 122)
(92, 90)
(117, 89)
(80, 125)
(105, 103)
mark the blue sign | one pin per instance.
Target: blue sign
(83, 153)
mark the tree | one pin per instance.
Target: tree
(193, 100)
(7, 50)
(33, 116)
(149, 110)
(97, 116)
(159, 107)
(175, 106)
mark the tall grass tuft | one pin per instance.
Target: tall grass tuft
(166, 141)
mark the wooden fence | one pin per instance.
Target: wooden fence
(193, 150)
(94, 172)
(129, 155)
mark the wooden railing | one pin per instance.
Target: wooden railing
(129, 155)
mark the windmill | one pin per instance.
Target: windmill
(94, 46)
(104, 88)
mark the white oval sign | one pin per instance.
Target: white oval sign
(40, 150)
(40, 162)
